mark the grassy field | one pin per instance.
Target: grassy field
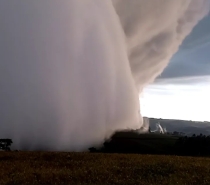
(93, 168)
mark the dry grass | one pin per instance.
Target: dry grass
(88, 168)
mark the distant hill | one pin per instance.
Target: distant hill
(188, 127)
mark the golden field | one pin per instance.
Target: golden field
(97, 168)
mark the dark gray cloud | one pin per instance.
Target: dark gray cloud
(199, 36)
(188, 81)
(193, 57)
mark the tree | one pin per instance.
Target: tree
(5, 144)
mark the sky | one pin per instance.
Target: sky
(182, 90)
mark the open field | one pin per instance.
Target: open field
(93, 168)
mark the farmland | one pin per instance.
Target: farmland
(99, 168)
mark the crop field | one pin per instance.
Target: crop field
(97, 168)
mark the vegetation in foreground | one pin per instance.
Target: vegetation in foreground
(98, 168)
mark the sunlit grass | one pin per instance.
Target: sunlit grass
(93, 168)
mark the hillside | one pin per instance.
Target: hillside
(188, 127)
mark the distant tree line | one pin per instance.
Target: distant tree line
(5, 144)
(195, 145)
